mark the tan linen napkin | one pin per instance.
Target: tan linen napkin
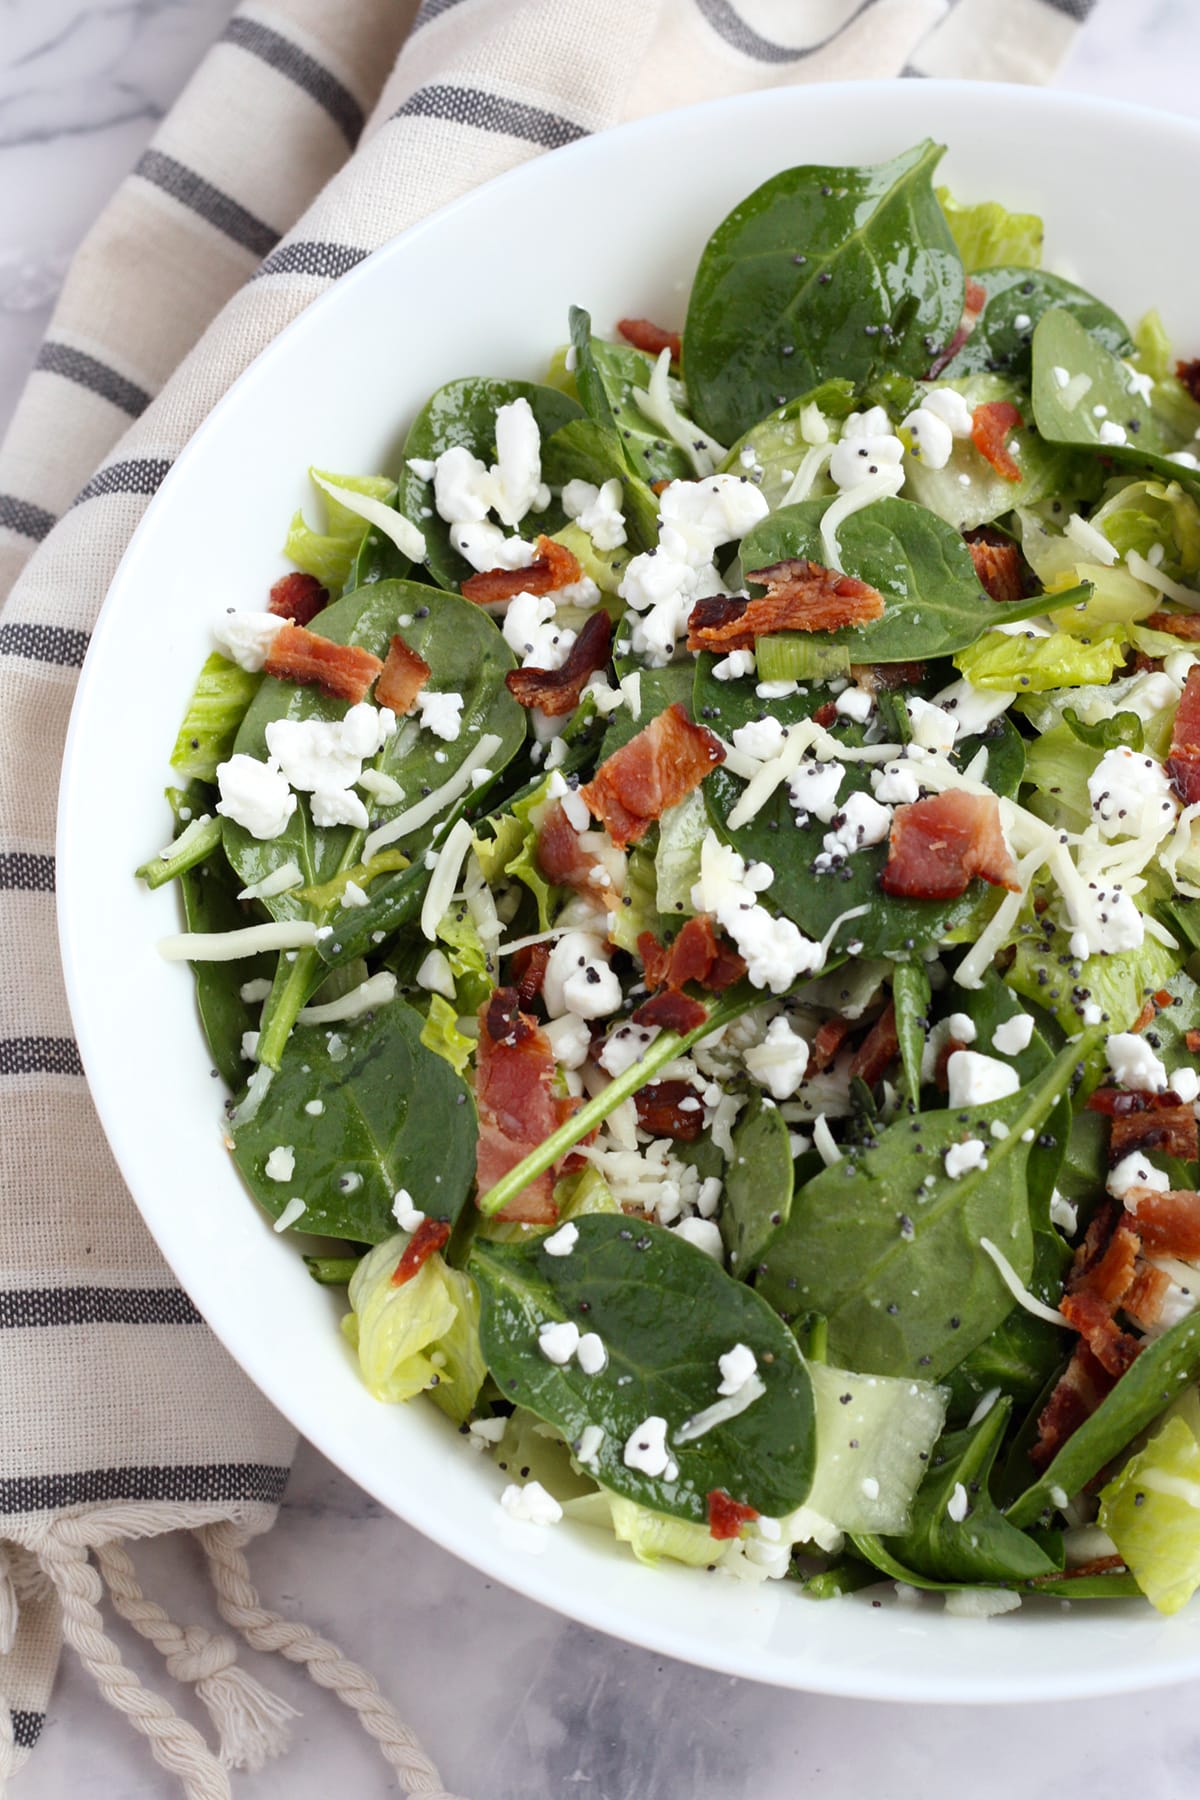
(309, 135)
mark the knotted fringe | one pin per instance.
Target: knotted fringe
(251, 1723)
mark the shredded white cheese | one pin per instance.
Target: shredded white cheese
(280, 881)
(450, 859)
(230, 946)
(704, 453)
(395, 527)
(376, 990)
(1017, 1288)
(405, 823)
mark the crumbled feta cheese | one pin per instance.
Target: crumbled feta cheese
(762, 738)
(1111, 922)
(487, 1431)
(958, 1027)
(1186, 1083)
(436, 976)
(947, 404)
(865, 449)
(958, 1505)
(960, 1158)
(579, 978)
(245, 638)
(570, 1040)
(1064, 1213)
(353, 895)
(971, 708)
(734, 666)
(562, 1241)
(646, 1447)
(624, 1046)
(737, 1367)
(325, 756)
(779, 1062)
(558, 1340)
(485, 546)
(895, 784)
(597, 510)
(338, 806)
(1136, 1171)
(280, 1164)
(255, 795)
(590, 1440)
(517, 476)
(861, 822)
(441, 713)
(813, 789)
(854, 703)
(1112, 433)
(705, 1235)
(1131, 795)
(975, 1080)
(532, 632)
(932, 728)
(590, 1354)
(776, 952)
(291, 1212)
(405, 1210)
(929, 439)
(531, 1504)
(1012, 1036)
(1133, 1063)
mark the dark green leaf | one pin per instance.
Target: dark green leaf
(395, 1115)
(331, 1271)
(584, 451)
(464, 412)
(887, 1245)
(1123, 728)
(606, 376)
(999, 342)
(632, 1284)
(845, 1577)
(910, 997)
(820, 272)
(758, 1185)
(771, 451)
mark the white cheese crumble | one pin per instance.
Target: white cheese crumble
(255, 795)
(1131, 795)
(646, 1447)
(1136, 1171)
(813, 789)
(705, 1235)
(441, 713)
(975, 1080)
(405, 1210)
(245, 638)
(1133, 1063)
(932, 728)
(862, 822)
(280, 1164)
(562, 1241)
(854, 703)
(867, 448)
(775, 950)
(579, 978)
(590, 1353)
(590, 1440)
(779, 1062)
(958, 1505)
(1013, 1035)
(961, 1158)
(737, 1366)
(436, 976)
(1064, 1213)
(532, 1504)
(558, 1340)
(597, 510)
(294, 1209)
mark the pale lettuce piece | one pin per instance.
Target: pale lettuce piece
(533, 1450)
(583, 1193)
(1151, 1511)
(422, 1336)
(216, 709)
(440, 1033)
(968, 491)
(1153, 347)
(650, 1535)
(1116, 981)
(872, 1447)
(605, 567)
(989, 236)
(681, 831)
(1143, 514)
(1003, 661)
(641, 913)
(1150, 695)
(1057, 766)
(330, 554)
(509, 852)
(459, 937)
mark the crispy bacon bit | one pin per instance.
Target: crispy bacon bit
(342, 671)
(727, 1516)
(557, 691)
(878, 1049)
(1146, 1017)
(298, 597)
(661, 1110)
(656, 769)
(514, 1075)
(404, 675)
(1180, 625)
(941, 1069)
(998, 567)
(1084, 1384)
(990, 426)
(826, 715)
(553, 567)
(660, 486)
(643, 334)
(1106, 1273)
(1171, 1129)
(1147, 1293)
(561, 854)
(696, 954)
(672, 1010)
(1189, 374)
(1183, 762)
(831, 1034)
(1118, 1103)
(529, 968)
(1168, 1224)
(430, 1235)
(939, 845)
(974, 302)
(800, 596)
(1192, 1040)
(1092, 1318)
(887, 676)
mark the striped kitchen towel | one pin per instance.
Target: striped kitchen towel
(309, 135)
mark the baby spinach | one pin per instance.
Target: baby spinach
(820, 272)
(582, 450)
(982, 1546)
(1067, 415)
(464, 412)
(886, 1244)
(934, 604)
(606, 376)
(631, 1284)
(771, 451)
(911, 996)
(1161, 1372)
(758, 1184)
(1016, 300)
(394, 1115)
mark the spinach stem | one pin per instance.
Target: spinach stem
(665, 1048)
(293, 983)
(193, 844)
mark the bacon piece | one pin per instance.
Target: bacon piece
(1107, 1277)
(553, 567)
(990, 426)
(529, 969)
(342, 671)
(514, 1075)
(404, 675)
(1083, 1385)
(1118, 1103)
(831, 1034)
(887, 676)
(672, 1010)
(1168, 1224)
(1171, 1129)
(660, 1110)
(430, 1235)
(727, 1516)
(561, 854)
(1092, 1318)
(557, 691)
(974, 302)
(643, 334)
(939, 845)
(1183, 760)
(1147, 1292)
(800, 596)
(1189, 374)
(656, 769)
(826, 715)
(941, 1069)
(298, 597)
(1180, 625)
(878, 1049)
(998, 567)
(1146, 1017)
(696, 954)
(1192, 1040)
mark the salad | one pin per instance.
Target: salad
(693, 888)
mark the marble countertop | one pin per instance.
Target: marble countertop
(511, 1700)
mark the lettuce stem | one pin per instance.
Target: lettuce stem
(293, 983)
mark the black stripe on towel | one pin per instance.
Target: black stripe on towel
(196, 1483)
(311, 257)
(429, 10)
(491, 112)
(730, 25)
(139, 475)
(24, 872)
(298, 66)
(89, 372)
(201, 197)
(39, 1056)
(44, 643)
(30, 1307)
(26, 1727)
(24, 517)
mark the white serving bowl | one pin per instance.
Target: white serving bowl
(628, 213)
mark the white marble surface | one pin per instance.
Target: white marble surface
(511, 1700)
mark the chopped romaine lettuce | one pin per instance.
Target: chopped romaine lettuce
(210, 724)
(586, 1192)
(681, 832)
(440, 1033)
(638, 910)
(329, 554)
(988, 235)
(650, 1535)
(1151, 1511)
(508, 848)
(874, 1435)
(1149, 515)
(1153, 346)
(1029, 663)
(420, 1336)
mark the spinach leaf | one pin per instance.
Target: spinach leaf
(1067, 413)
(933, 602)
(582, 450)
(631, 1284)
(394, 1115)
(209, 893)
(1016, 300)
(771, 451)
(911, 996)
(982, 1546)
(886, 1244)
(464, 412)
(1118, 1585)
(1123, 729)
(606, 376)
(820, 272)
(1148, 1386)
(758, 1185)
(378, 559)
